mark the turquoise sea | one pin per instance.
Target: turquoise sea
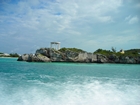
(23, 83)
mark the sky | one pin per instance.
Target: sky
(27, 25)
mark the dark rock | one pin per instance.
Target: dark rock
(86, 57)
(47, 55)
(38, 58)
(102, 58)
(44, 51)
(23, 57)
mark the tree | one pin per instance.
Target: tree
(71, 49)
(1, 53)
(14, 55)
(113, 49)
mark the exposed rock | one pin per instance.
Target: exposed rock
(86, 57)
(101, 58)
(38, 58)
(23, 57)
(56, 55)
(70, 56)
(44, 51)
(47, 55)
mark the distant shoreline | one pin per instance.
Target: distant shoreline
(8, 57)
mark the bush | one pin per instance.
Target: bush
(71, 49)
(104, 52)
(14, 55)
(1, 53)
(130, 53)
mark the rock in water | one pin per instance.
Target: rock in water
(47, 55)
(23, 57)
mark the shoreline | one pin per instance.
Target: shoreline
(66, 62)
(9, 57)
(74, 56)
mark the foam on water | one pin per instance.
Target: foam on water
(90, 91)
(23, 83)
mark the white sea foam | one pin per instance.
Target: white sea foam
(93, 92)
(68, 84)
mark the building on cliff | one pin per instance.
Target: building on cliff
(55, 45)
(122, 51)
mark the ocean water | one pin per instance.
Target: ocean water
(23, 83)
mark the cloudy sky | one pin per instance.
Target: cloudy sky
(26, 25)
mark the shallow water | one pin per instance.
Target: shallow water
(23, 83)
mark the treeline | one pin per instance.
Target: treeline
(14, 55)
(130, 53)
(71, 49)
(9, 55)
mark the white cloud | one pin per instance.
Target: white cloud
(63, 12)
(128, 18)
(138, 5)
(105, 19)
(63, 15)
(71, 21)
(132, 20)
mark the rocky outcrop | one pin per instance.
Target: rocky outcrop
(43, 51)
(51, 55)
(86, 57)
(34, 58)
(23, 57)
(123, 59)
(38, 58)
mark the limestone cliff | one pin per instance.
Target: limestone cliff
(51, 55)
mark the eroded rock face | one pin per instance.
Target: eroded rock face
(101, 58)
(56, 56)
(86, 57)
(44, 51)
(33, 58)
(38, 58)
(128, 60)
(51, 55)
(23, 57)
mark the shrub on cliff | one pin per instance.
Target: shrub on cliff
(129, 53)
(71, 49)
(104, 52)
(133, 52)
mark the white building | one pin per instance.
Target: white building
(55, 45)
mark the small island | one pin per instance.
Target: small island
(131, 56)
(9, 55)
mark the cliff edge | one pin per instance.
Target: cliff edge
(68, 55)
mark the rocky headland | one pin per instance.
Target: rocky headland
(51, 55)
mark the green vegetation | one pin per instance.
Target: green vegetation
(113, 49)
(71, 49)
(1, 53)
(130, 53)
(133, 52)
(14, 55)
(9, 55)
(104, 52)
